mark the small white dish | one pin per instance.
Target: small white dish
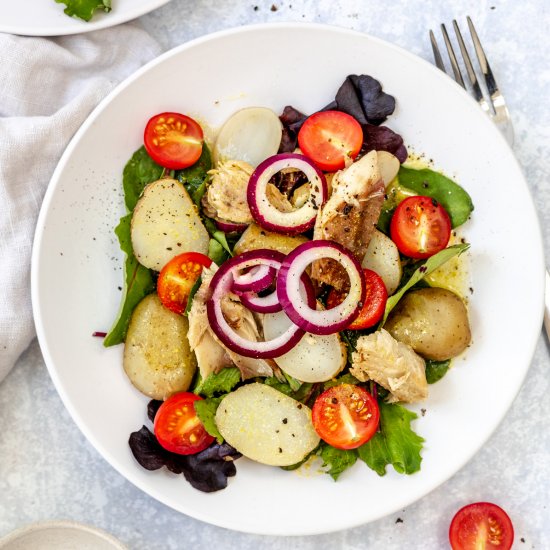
(76, 268)
(46, 17)
(60, 535)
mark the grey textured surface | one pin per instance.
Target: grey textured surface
(48, 470)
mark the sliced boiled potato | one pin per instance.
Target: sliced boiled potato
(165, 223)
(251, 135)
(255, 238)
(388, 165)
(314, 358)
(157, 356)
(433, 321)
(266, 425)
(382, 256)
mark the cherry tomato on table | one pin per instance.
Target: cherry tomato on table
(173, 140)
(177, 426)
(329, 138)
(420, 227)
(374, 305)
(177, 278)
(345, 416)
(481, 526)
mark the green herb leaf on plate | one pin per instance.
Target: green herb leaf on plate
(302, 394)
(294, 384)
(452, 196)
(195, 177)
(344, 379)
(395, 443)
(138, 283)
(436, 370)
(303, 461)
(220, 382)
(206, 411)
(139, 171)
(216, 252)
(216, 234)
(192, 293)
(431, 264)
(337, 460)
(84, 9)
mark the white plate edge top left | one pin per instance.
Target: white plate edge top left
(60, 24)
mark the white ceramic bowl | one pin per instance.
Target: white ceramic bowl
(46, 17)
(77, 264)
(59, 535)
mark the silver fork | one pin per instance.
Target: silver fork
(492, 102)
(494, 105)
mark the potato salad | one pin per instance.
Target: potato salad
(290, 285)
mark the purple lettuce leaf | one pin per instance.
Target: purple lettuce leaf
(382, 138)
(361, 97)
(146, 449)
(152, 408)
(206, 471)
(292, 121)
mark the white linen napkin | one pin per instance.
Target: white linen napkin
(47, 88)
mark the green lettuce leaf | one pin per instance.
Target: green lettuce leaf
(344, 379)
(192, 293)
(395, 443)
(216, 252)
(409, 182)
(84, 9)
(206, 411)
(217, 234)
(294, 383)
(195, 180)
(139, 171)
(216, 383)
(138, 283)
(194, 177)
(303, 392)
(303, 461)
(436, 370)
(453, 198)
(431, 264)
(221, 382)
(337, 460)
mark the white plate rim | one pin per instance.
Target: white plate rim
(76, 26)
(529, 346)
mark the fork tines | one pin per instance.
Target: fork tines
(496, 106)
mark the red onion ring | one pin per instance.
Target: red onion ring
(230, 227)
(220, 286)
(269, 217)
(304, 315)
(261, 304)
(256, 279)
(271, 303)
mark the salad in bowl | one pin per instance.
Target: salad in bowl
(292, 281)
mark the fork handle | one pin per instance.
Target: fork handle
(547, 305)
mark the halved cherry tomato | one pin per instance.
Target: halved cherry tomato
(173, 140)
(374, 305)
(177, 278)
(329, 138)
(481, 526)
(345, 416)
(178, 428)
(420, 227)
